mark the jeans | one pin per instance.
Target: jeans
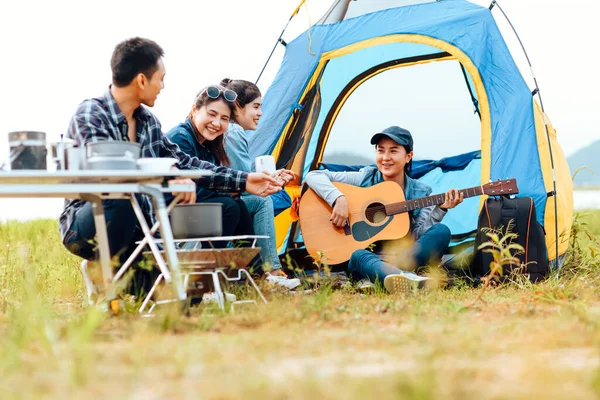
(122, 228)
(261, 210)
(123, 231)
(432, 244)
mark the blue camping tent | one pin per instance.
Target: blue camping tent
(325, 66)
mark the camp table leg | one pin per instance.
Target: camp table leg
(144, 241)
(150, 293)
(153, 247)
(168, 241)
(102, 237)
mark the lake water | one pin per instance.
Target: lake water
(27, 209)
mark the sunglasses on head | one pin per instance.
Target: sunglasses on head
(215, 91)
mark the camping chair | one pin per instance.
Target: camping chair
(199, 256)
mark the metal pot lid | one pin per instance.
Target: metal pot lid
(26, 135)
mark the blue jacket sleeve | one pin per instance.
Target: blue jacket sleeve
(236, 146)
(178, 144)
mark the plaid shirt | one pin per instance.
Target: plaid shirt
(101, 119)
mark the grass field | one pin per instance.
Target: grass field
(519, 341)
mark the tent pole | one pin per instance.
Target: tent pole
(279, 40)
(537, 91)
(473, 99)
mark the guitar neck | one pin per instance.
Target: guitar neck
(434, 200)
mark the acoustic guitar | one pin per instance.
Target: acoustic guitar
(375, 213)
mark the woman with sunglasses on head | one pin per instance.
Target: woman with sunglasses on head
(246, 115)
(201, 136)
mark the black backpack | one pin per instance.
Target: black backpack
(496, 214)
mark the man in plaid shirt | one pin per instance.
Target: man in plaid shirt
(138, 73)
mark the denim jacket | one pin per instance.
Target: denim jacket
(422, 218)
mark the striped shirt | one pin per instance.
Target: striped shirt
(101, 119)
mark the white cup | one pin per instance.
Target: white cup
(265, 164)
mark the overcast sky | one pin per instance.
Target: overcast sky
(56, 53)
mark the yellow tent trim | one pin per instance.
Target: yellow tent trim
(312, 82)
(284, 220)
(564, 185)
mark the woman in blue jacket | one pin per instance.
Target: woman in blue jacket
(201, 136)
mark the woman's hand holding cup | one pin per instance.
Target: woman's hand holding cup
(266, 164)
(262, 184)
(285, 176)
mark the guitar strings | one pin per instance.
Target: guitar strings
(371, 211)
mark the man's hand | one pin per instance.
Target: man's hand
(285, 176)
(452, 199)
(339, 215)
(188, 197)
(262, 184)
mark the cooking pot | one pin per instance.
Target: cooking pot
(114, 148)
(110, 163)
(66, 155)
(197, 220)
(112, 155)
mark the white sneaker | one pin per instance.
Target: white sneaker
(287, 283)
(90, 288)
(404, 283)
(211, 297)
(365, 284)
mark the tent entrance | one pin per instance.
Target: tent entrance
(340, 72)
(428, 99)
(344, 75)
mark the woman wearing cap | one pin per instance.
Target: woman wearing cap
(393, 158)
(201, 136)
(246, 115)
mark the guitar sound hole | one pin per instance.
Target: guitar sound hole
(375, 213)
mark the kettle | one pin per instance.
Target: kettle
(67, 155)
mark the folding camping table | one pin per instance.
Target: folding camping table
(95, 186)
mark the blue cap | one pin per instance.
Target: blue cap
(399, 135)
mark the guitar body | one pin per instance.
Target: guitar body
(368, 222)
